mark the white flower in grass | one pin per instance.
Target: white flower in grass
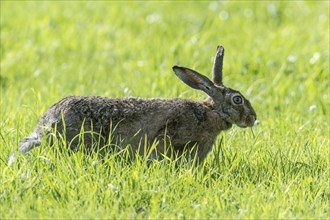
(292, 58)
(312, 108)
(316, 56)
(115, 189)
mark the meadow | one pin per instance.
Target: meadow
(277, 55)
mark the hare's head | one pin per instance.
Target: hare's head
(230, 104)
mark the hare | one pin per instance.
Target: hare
(183, 124)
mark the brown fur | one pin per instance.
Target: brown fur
(183, 124)
(133, 119)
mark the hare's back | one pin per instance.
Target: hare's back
(75, 109)
(101, 111)
(127, 114)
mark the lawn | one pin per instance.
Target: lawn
(277, 55)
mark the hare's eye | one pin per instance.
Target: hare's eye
(237, 100)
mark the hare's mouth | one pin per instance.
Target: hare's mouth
(248, 122)
(242, 126)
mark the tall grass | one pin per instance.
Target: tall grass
(277, 55)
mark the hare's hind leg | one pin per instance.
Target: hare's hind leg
(29, 143)
(26, 145)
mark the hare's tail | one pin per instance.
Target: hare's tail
(26, 145)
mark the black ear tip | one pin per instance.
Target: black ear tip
(220, 48)
(176, 67)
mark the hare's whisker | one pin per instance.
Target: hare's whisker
(252, 133)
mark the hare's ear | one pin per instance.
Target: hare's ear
(195, 80)
(217, 66)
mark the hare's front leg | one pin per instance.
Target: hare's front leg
(205, 147)
(197, 150)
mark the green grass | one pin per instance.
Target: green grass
(277, 54)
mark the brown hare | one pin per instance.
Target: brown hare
(183, 124)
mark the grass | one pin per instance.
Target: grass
(277, 54)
